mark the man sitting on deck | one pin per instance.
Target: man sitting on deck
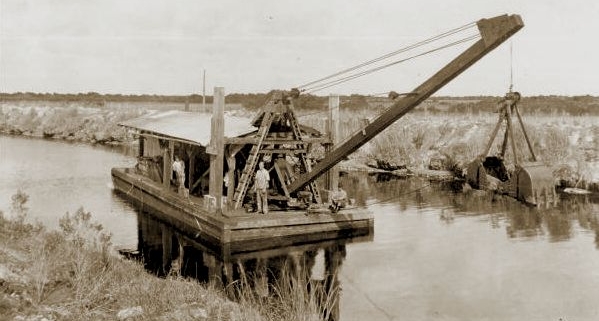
(261, 184)
(338, 199)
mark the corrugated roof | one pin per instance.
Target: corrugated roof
(193, 127)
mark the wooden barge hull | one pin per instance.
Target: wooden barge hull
(239, 230)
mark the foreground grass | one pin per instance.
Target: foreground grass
(74, 274)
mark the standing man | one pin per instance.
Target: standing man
(179, 169)
(261, 185)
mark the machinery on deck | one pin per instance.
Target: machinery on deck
(530, 181)
(278, 116)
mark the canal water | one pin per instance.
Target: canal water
(437, 252)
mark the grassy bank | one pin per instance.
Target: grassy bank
(74, 274)
(67, 121)
(420, 140)
(569, 145)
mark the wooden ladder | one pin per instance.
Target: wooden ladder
(252, 160)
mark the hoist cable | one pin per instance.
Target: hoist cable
(369, 71)
(511, 68)
(410, 47)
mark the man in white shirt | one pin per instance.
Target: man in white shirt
(179, 169)
(338, 199)
(261, 185)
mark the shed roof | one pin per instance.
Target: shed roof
(190, 126)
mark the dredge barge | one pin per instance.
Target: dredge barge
(220, 156)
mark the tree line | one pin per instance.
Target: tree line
(572, 105)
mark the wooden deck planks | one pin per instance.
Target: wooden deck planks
(238, 228)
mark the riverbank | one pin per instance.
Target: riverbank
(424, 144)
(70, 122)
(74, 273)
(419, 143)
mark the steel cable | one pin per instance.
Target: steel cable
(407, 48)
(369, 71)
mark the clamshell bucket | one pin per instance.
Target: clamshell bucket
(529, 182)
(487, 174)
(533, 183)
(476, 175)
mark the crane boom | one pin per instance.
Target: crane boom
(493, 31)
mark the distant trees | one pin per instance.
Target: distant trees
(576, 105)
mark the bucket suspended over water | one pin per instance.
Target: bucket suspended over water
(532, 182)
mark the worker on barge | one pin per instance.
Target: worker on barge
(338, 199)
(261, 185)
(179, 169)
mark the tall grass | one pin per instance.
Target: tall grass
(561, 142)
(292, 295)
(84, 124)
(73, 274)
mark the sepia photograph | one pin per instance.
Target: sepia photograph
(299, 160)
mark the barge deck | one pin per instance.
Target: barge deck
(238, 228)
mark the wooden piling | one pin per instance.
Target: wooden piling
(191, 155)
(167, 164)
(140, 151)
(231, 180)
(217, 148)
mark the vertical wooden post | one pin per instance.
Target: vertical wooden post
(191, 154)
(167, 164)
(231, 179)
(217, 148)
(333, 131)
(141, 146)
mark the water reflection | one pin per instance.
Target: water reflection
(453, 200)
(314, 267)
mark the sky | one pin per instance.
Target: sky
(163, 47)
